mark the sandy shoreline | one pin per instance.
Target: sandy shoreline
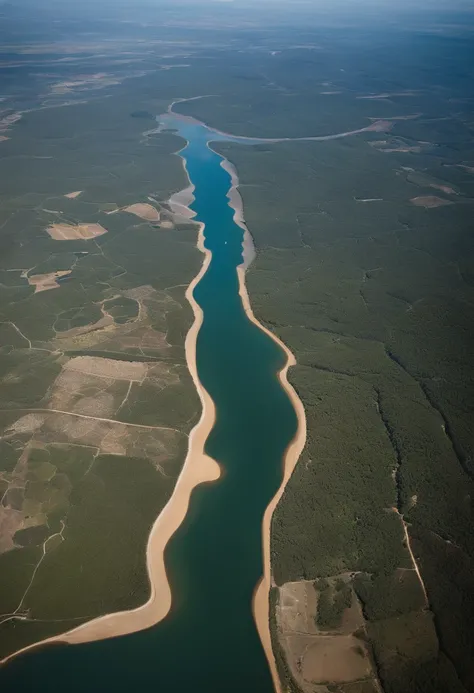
(261, 606)
(198, 468)
(379, 125)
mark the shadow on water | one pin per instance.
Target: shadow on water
(208, 642)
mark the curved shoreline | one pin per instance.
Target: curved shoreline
(261, 604)
(378, 125)
(198, 468)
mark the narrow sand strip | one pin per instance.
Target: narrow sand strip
(376, 126)
(198, 468)
(261, 605)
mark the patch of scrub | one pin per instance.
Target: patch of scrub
(72, 232)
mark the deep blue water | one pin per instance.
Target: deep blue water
(208, 643)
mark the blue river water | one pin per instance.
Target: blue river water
(208, 643)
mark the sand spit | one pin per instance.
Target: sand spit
(73, 195)
(45, 282)
(71, 232)
(376, 126)
(144, 211)
(180, 201)
(198, 468)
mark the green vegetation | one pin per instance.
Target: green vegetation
(80, 488)
(333, 600)
(374, 296)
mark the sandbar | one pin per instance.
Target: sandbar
(71, 232)
(73, 195)
(180, 201)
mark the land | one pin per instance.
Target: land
(363, 273)
(97, 400)
(375, 302)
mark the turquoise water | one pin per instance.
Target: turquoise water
(208, 643)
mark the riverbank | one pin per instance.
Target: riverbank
(261, 604)
(198, 468)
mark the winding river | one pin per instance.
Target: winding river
(208, 642)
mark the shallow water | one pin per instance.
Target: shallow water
(209, 641)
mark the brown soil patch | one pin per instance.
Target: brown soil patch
(297, 608)
(73, 195)
(44, 282)
(338, 658)
(312, 655)
(430, 201)
(108, 368)
(144, 211)
(70, 232)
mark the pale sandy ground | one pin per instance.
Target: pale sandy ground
(144, 211)
(70, 232)
(376, 126)
(261, 607)
(199, 468)
(45, 282)
(3, 138)
(180, 201)
(73, 195)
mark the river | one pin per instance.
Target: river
(208, 642)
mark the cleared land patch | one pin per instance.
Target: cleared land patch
(45, 282)
(144, 211)
(70, 232)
